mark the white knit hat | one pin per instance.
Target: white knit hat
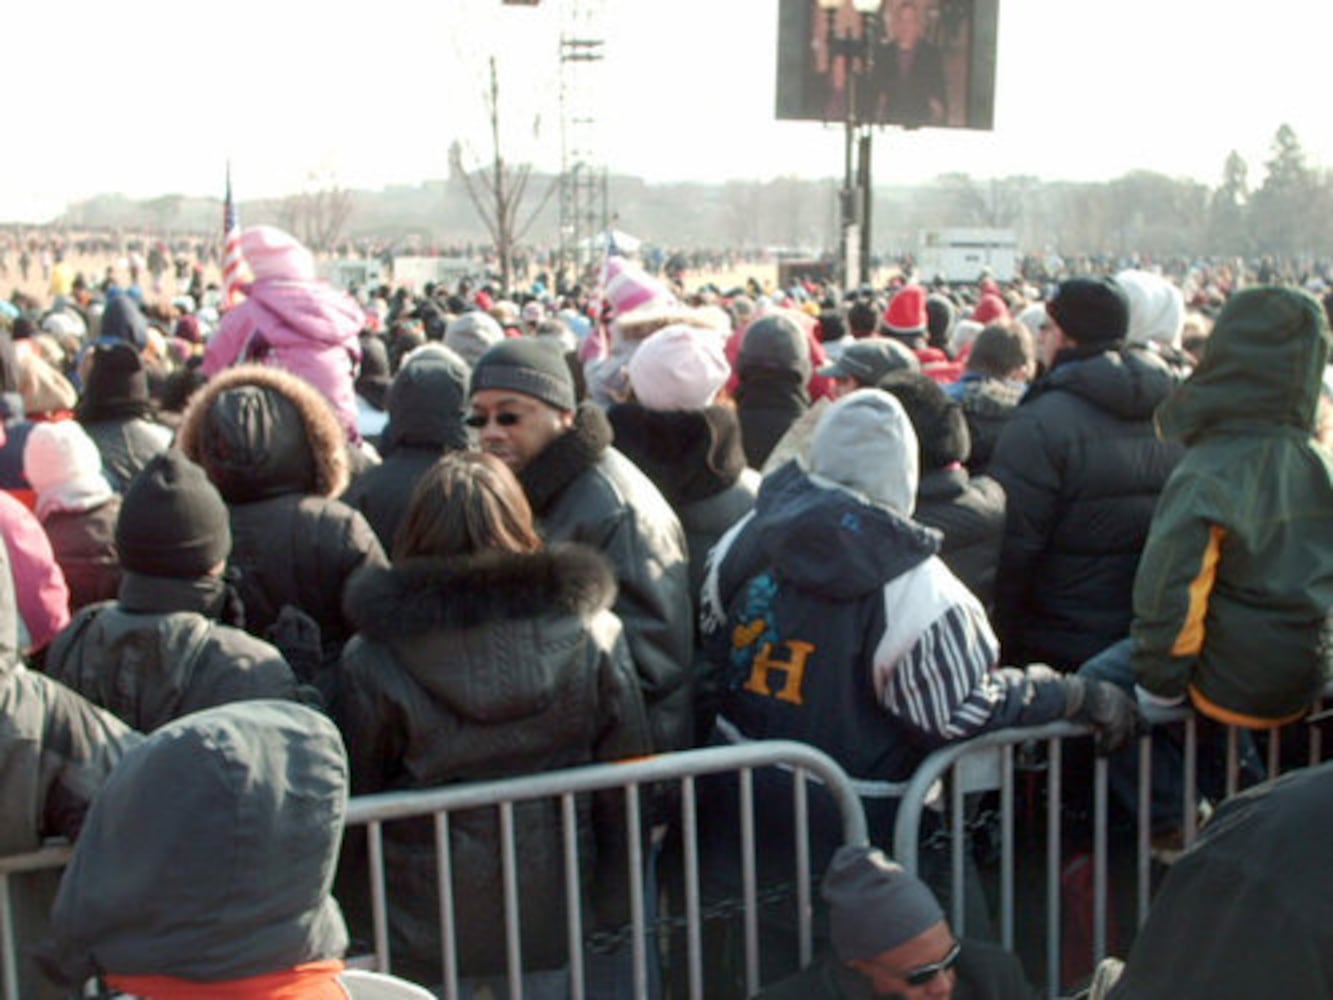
(680, 367)
(64, 468)
(1156, 308)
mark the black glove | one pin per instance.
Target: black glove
(1113, 713)
(297, 637)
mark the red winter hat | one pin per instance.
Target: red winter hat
(990, 309)
(906, 314)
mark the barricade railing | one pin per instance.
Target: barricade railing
(987, 764)
(633, 779)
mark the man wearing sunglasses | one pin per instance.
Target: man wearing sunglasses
(890, 939)
(523, 410)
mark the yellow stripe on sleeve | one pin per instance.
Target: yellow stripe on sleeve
(1190, 639)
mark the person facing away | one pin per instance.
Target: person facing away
(117, 412)
(829, 618)
(292, 321)
(77, 508)
(889, 938)
(273, 447)
(967, 510)
(221, 888)
(425, 405)
(1233, 593)
(167, 645)
(999, 367)
(480, 654)
(524, 412)
(1082, 467)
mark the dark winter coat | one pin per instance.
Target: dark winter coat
(126, 445)
(84, 543)
(969, 511)
(56, 747)
(1082, 467)
(768, 402)
(425, 406)
(695, 458)
(272, 446)
(583, 490)
(477, 668)
(1248, 912)
(158, 653)
(209, 854)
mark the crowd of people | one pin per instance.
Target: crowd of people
(321, 543)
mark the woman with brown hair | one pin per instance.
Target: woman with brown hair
(480, 655)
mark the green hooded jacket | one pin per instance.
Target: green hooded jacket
(1232, 594)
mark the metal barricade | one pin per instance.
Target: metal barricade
(804, 762)
(987, 764)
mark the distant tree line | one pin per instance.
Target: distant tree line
(1289, 214)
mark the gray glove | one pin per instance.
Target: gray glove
(1113, 713)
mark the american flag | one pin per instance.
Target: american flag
(231, 252)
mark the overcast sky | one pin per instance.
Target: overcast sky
(149, 97)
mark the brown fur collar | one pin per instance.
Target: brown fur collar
(328, 443)
(420, 595)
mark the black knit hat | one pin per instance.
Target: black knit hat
(1090, 310)
(117, 384)
(527, 365)
(941, 428)
(172, 522)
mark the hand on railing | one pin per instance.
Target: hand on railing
(1113, 714)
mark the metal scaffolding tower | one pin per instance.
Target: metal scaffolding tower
(583, 198)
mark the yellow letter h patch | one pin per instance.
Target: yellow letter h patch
(791, 669)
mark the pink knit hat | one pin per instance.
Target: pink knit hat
(628, 287)
(907, 311)
(680, 367)
(64, 467)
(271, 253)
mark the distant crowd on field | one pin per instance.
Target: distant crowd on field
(314, 543)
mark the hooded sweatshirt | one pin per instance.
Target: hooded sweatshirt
(1233, 592)
(226, 878)
(829, 618)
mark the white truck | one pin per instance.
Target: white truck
(966, 255)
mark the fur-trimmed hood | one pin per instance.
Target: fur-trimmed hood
(688, 454)
(260, 432)
(489, 633)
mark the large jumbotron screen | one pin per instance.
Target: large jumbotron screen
(926, 63)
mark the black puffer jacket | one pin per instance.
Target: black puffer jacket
(425, 405)
(1082, 467)
(583, 490)
(969, 511)
(274, 449)
(476, 668)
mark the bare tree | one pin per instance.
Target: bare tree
(318, 215)
(497, 192)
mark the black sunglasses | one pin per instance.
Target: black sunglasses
(923, 974)
(480, 420)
